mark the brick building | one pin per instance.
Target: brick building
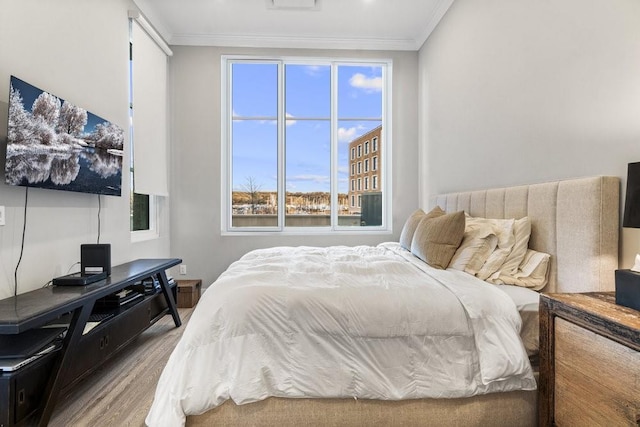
(365, 155)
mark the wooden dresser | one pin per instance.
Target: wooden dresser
(589, 361)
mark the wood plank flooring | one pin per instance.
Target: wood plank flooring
(120, 392)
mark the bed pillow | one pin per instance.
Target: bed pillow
(436, 238)
(477, 244)
(406, 236)
(503, 229)
(522, 233)
(533, 272)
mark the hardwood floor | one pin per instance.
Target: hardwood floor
(121, 391)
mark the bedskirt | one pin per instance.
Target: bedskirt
(515, 408)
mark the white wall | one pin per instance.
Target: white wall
(77, 50)
(520, 91)
(195, 201)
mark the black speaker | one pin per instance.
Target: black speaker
(95, 258)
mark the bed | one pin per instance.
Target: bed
(574, 221)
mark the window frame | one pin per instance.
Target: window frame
(226, 146)
(152, 212)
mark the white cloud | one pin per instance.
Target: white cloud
(312, 70)
(346, 135)
(349, 134)
(343, 170)
(290, 122)
(369, 84)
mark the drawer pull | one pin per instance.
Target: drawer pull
(21, 397)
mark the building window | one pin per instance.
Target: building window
(366, 148)
(359, 201)
(374, 182)
(366, 165)
(366, 183)
(353, 185)
(375, 163)
(375, 143)
(285, 117)
(353, 201)
(359, 184)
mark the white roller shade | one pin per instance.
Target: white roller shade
(149, 115)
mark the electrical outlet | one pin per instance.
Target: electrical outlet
(2, 218)
(183, 269)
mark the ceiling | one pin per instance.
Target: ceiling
(322, 24)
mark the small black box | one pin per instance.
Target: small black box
(628, 288)
(95, 258)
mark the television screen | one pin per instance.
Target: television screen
(54, 144)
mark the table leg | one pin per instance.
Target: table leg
(168, 295)
(60, 368)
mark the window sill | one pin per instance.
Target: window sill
(143, 235)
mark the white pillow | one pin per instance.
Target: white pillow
(478, 243)
(522, 232)
(503, 230)
(533, 272)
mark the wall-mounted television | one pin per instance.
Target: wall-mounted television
(54, 144)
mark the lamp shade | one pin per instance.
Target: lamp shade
(632, 199)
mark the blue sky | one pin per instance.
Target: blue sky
(307, 106)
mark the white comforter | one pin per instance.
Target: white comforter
(362, 322)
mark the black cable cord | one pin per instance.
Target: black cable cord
(99, 209)
(24, 230)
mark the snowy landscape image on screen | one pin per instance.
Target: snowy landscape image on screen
(54, 144)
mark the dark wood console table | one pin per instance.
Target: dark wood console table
(39, 307)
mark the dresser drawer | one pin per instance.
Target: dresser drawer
(597, 380)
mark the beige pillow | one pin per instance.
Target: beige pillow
(406, 236)
(503, 229)
(533, 272)
(473, 252)
(436, 239)
(522, 232)
(478, 243)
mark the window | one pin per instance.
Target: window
(366, 147)
(148, 135)
(291, 129)
(359, 184)
(375, 163)
(353, 201)
(374, 182)
(366, 183)
(359, 201)
(366, 165)
(375, 144)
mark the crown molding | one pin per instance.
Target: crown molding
(260, 41)
(438, 12)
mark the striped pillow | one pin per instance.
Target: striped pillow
(436, 239)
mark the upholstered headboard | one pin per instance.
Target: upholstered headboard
(576, 221)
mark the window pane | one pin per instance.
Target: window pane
(368, 209)
(139, 212)
(255, 174)
(359, 92)
(254, 90)
(308, 91)
(308, 173)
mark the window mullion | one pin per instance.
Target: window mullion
(335, 208)
(282, 196)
